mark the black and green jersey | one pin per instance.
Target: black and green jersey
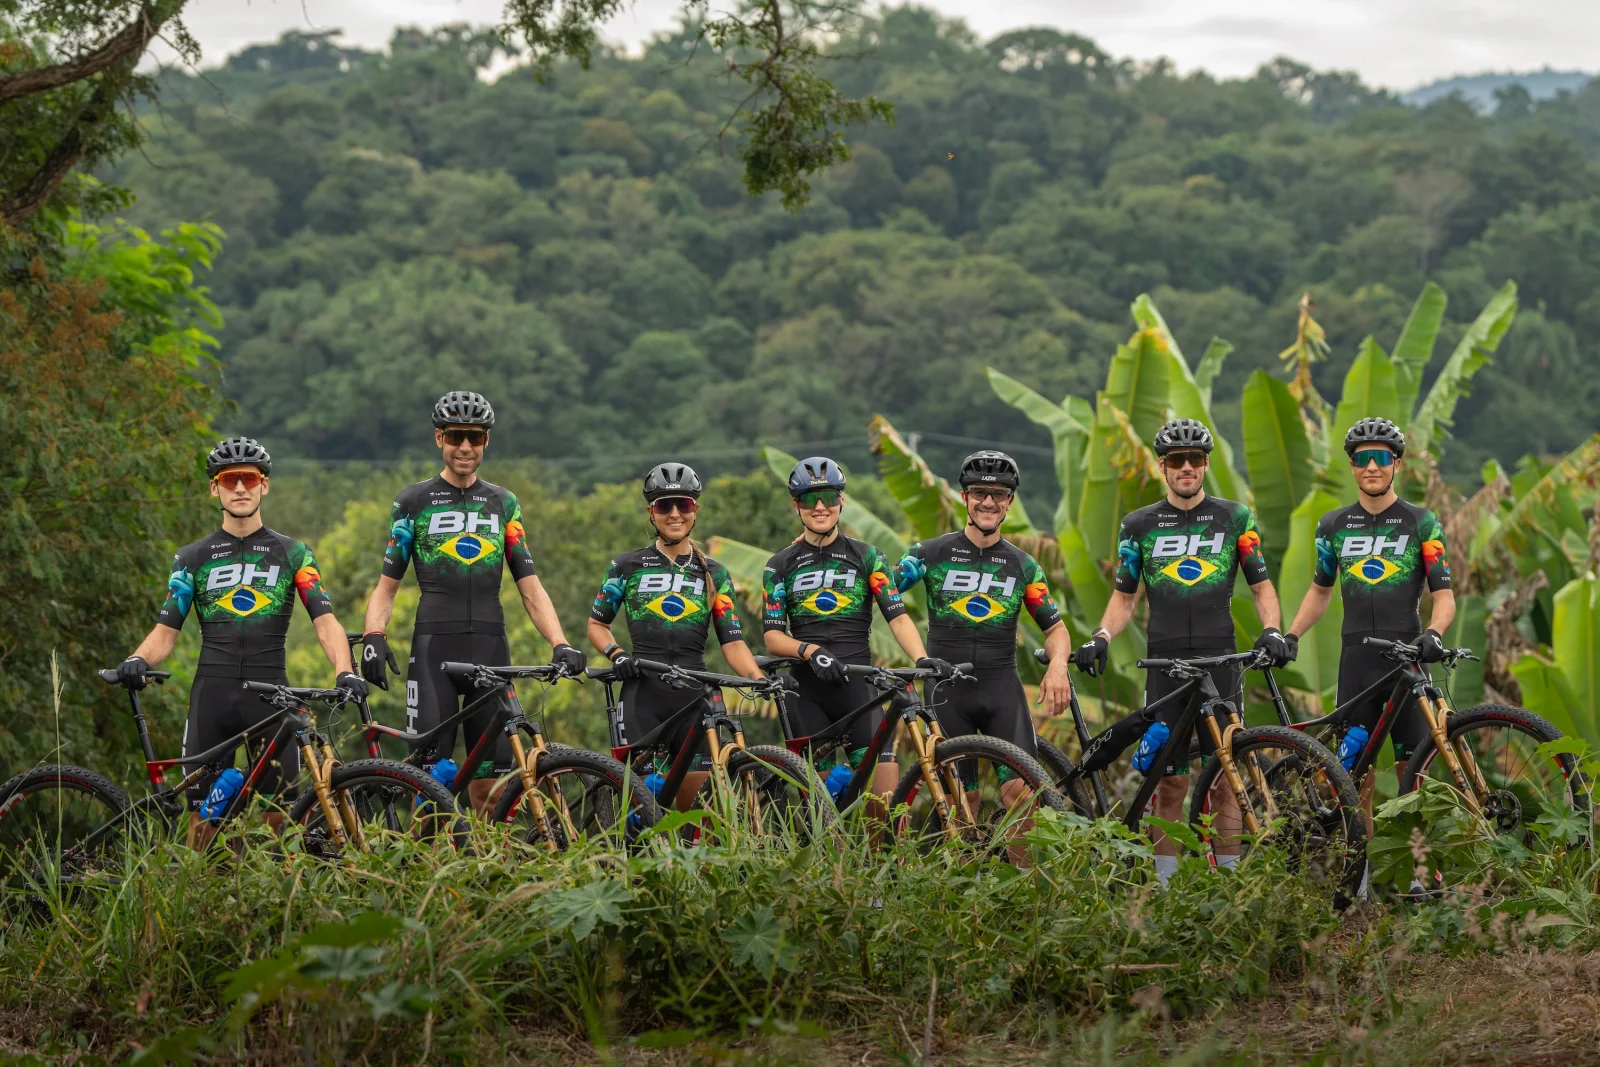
(1187, 561)
(1381, 562)
(670, 608)
(243, 588)
(824, 595)
(975, 597)
(461, 540)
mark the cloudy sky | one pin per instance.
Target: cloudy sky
(1393, 43)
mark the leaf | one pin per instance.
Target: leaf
(409, 1002)
(1069, 435)
(1178, 832)
(1575, 640)
(1467, 631)
(758, 941)
(580, 910)
(1278, 453)
(1369, 392)
(1533, 514)
(1137, 382)
(745, 563)
(362, 930)
(1211, 366)
(779, 462)
(929, 502)
(1318, 662)
(1477, 344)
(1121, 476)
(1415, 347)
(1545, 692)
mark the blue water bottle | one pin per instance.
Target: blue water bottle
(1354, 743)
(1150, 746)
(837, 779)
(223, 790)
(444, 772)
(655, 783)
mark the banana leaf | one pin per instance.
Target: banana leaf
(1479, 342)
(1467, 631)
(745, 565)
(1545, 692)
(1137, 381)
(1566, 688)
(1318, 663)
(1068, 434)
(1415, 347)
(928, 501)
(1369, 392)
(1121, 476)
(1210, 366)
(1548, 505)
(1279, 456)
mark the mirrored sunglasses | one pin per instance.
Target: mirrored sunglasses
(475, 438)
(683, 505)
(1364, 456)
(1178, 460)
(232, 480)
(828, 498)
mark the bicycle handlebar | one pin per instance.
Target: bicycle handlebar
(1258, 657)
(1402, 652)
(669, 672)
(543, 671)
(157, 677)
(327, 696)
(869, 670)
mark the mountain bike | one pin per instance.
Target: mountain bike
(1291, 790)
(1489, 754)
(931, 800)
(75, 825)
(768, 789)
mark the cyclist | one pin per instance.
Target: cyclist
(978, 584)
(240, 581)
(672, 596)
(462, 532)
(1185, 550)
(818, 600)
(1381, 551)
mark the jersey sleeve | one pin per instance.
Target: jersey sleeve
(180, 594)
(518, 558)
(774, 598)
(880, 580)
(1036, 595)
(1326, 570)
(724, 613)
(1435, 561)
(608, 601)
(911, 569)
(402, 540)
(1130, 559)
(308, 582)
(1252, 560)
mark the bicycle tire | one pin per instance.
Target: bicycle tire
(398, 791)
(598, 814)
(788, 787)
(40, 840)
(1330, 836)
(1064, 777)
(1506, 811)
(947, 755)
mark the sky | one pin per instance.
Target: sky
(1396, 44)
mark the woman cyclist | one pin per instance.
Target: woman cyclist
(672, 595)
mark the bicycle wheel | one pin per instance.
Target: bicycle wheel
(47, 818)
(773, 793)
(1064, 777)
(985, 821)
(390, 799)
(1304, 798)
(1523, 786)
(582, 795)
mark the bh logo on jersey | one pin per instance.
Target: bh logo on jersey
(824, 599)
(672, 604)
(979, 605)
(244, 599)
(1370, 564)
(1190, 567)
(466, 546)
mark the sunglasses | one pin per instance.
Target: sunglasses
(1381, 456)
(999, 496)
(232, 480)
(828, 498)
(683, 505)
(475, 438)
(1178, 460)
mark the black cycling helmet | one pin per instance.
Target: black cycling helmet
(463, 409)
(1183, 433)
(1374, 431)
(817, 472)
(671, 479)
(990, 468)
(238, 452)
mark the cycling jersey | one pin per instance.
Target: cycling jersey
(241, 588)
(975, 596)
(1187, 561)
(669, 609)
(1381, 563)
(461, 540)
(824, 595)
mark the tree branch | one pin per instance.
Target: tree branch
(130, 41)
(62, 158)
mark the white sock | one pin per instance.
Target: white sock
(1166, 867)
(1229, 862)
(1366, 877)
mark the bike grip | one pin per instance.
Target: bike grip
(458, 670)
(107, 676)
(1378, 642)
(1153, 664)
(964, 668)
(1042, 655)
(261, 687)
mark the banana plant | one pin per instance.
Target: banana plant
(1564, 685)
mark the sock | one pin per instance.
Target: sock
(1166, 867)
(1366, 876)
(1229, 862)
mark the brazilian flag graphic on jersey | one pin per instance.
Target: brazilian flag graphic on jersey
(1196, 557)
(243, 588)
(460, 534)
(974, 594)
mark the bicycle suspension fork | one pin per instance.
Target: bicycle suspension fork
(1460, 762)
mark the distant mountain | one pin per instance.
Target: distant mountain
(1478, 89)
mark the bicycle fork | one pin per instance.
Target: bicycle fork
(1460, 762)
(927, 741)
(528, 771)
(337, 812)
(1223, 739)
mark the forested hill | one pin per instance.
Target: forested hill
(579, 250)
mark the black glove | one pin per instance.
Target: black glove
(625, 667)
(131, 671)
(1274, 644)
(828, 667)
(1090, 658)
(569, 660)
(1293, 641)
(784, 683)
(942, 669)
(374, 654)
(1430, 647)
(352, 682)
